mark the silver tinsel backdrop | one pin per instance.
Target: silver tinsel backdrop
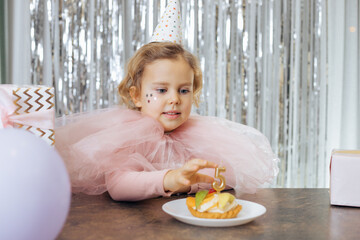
(264, 65)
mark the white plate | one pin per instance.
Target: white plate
(179, 210)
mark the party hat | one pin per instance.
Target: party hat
(169, 29)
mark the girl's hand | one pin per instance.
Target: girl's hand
(180, 180)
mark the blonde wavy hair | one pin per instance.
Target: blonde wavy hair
(150, 53)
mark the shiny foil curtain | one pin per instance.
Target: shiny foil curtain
(3, 47)
(263, 61)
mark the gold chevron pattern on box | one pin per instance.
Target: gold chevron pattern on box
(35, 98)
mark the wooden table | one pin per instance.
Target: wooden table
(291, 214)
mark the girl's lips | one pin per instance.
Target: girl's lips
(171, 114)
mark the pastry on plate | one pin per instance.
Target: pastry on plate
(212, 204)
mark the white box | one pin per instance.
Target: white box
(345, 178)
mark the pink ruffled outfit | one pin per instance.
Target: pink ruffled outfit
(126, 153)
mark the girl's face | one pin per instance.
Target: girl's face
(166, 92)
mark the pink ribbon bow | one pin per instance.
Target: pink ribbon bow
(39, 119)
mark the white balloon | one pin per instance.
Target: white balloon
(34, 187)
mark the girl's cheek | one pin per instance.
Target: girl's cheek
(151, 98)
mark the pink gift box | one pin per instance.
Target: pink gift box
(345, 178)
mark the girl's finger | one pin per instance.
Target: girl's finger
(190, 168)
(184, 181)
(201, 178)
(201, 163)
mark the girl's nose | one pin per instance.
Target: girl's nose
(174, 99)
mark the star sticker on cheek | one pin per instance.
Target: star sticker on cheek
(149, 95)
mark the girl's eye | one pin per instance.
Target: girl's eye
(161, 90)
(184, 91)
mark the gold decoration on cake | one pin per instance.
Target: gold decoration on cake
(219, 186)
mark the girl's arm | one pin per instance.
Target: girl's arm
(136, 185)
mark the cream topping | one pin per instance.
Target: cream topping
(204, 207)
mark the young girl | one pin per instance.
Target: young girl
(156, 147)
